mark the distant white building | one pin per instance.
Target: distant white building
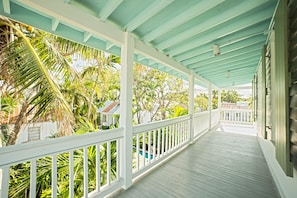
(109, 113)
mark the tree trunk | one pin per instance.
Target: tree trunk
(20, 121)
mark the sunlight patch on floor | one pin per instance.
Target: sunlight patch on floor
(237, 129)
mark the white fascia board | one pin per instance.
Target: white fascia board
(77, 18)
(152, 53)
(204, 81)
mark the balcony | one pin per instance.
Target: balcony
(225, 161)
(217, 44)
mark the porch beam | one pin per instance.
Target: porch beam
(228, 26)
(147, 14)
(256, 48)
(229, 49)
(6, 6)
(127, 56)
(55, 23)
(75, 17)
(109, 7)
(180, 19)
(225, 18)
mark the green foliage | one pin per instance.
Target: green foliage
(201, 102)
(230, 96)
(20, 181)
(178, 111)
(156, 92)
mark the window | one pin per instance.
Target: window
(33, 134)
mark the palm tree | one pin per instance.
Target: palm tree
(33, 67)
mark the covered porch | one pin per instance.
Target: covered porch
(216, 44)
(225, 162)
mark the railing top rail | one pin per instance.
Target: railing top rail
(237, 110)
(34, 150)
(158, 124)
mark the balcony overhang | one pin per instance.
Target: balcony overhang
(172, 36)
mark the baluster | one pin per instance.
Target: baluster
(143, 149)
(71, 175)
(163, 141)
(159, 142)
(137, 151)
(154, 145)
(118, 159)
(85, 153)
(149, 147)
(166, 141)
(98, 174)
(5, 182)
(54, 176)
(108, 151)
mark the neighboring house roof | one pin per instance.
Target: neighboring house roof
(110, 107)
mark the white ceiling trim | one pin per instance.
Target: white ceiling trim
(70, 15)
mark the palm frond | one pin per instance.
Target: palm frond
(36, 66)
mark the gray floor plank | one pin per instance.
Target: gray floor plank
(219, 164)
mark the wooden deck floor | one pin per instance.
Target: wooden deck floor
(219, 164)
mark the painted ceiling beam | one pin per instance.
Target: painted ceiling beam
(228, 49)
(152, 53)
(108, 45)
(76, 18)
(55, 23)
(108, 9)
(233, 72)
(231, 55)
(87, 36)
(146, 14)
(234, 60)
(230, 13)
(242, 79)
(140, 57)
(227, 40)
(240, 75)
(178, 20)
(6, 6)
(220, 31)
(227, 67)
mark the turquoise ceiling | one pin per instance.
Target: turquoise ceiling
(182, 30)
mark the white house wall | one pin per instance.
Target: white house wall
(47, 129)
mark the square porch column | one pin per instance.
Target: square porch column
(209, 104)
(126, 77)
(191, 105)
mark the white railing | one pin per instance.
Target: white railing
(154, 142)
(91, 161)
(201, 123)
(215, 117)
(237, 116)
(91, 153)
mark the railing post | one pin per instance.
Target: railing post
(127, 57)
(220, 104)
(209, 104)
(191, 105)
(4, 182)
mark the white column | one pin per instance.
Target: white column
(127, 57)
(191, 105)
(209, 104)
